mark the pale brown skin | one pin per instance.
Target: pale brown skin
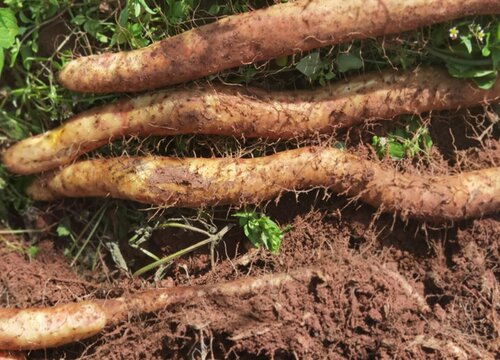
(35, 328)
(196, 182)
(38, 328)
(256, 36)
(248, 112)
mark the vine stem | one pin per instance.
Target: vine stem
(211, 239)
(448, 56)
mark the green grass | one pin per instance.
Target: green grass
(31, 100)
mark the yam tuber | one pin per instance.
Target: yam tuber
(195, 182)
(38, 328)
(247, 112)
(259, 35)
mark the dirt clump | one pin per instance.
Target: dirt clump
(43, 280)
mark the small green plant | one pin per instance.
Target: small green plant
(470, 49)
(32, 251)
(261, 230)
(407, 141)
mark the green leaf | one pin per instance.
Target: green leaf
(309, 65)
(123, 18)
(14, 129)
(32, 251)
(264, 237)
(147, 8)
(79, 19)
(92, 27)
(214, 9)
(396, 150)
(329, 75)
(346, 62)
(400, 133)
(282, 61)
(3, 183)
(137, 9)
(486, 82)
(14, 51)
(63, 228)
(178, 10)
(261, 230)
(119, 37)
(24, 18)
(468, 72)
(8, 28)
(467, 42)
(26, 53)
(427, 142)
(485, 51)
(102, 38)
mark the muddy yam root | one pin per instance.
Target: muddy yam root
(197, 182)
(38, 328)
(259, 35)
(247, 112)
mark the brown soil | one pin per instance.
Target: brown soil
(384, 288)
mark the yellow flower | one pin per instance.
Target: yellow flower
(480, 35)
(454, 33)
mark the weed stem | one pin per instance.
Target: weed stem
(211, 239)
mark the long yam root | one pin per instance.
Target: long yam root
(247, 112)
(38, 328)
(195, 182)
(259, 35)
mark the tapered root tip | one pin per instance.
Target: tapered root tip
(64, 75)
(38, 190)
(6, 159)
(69, 73)
(89, 73)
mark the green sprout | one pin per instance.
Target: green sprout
(261, 230)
